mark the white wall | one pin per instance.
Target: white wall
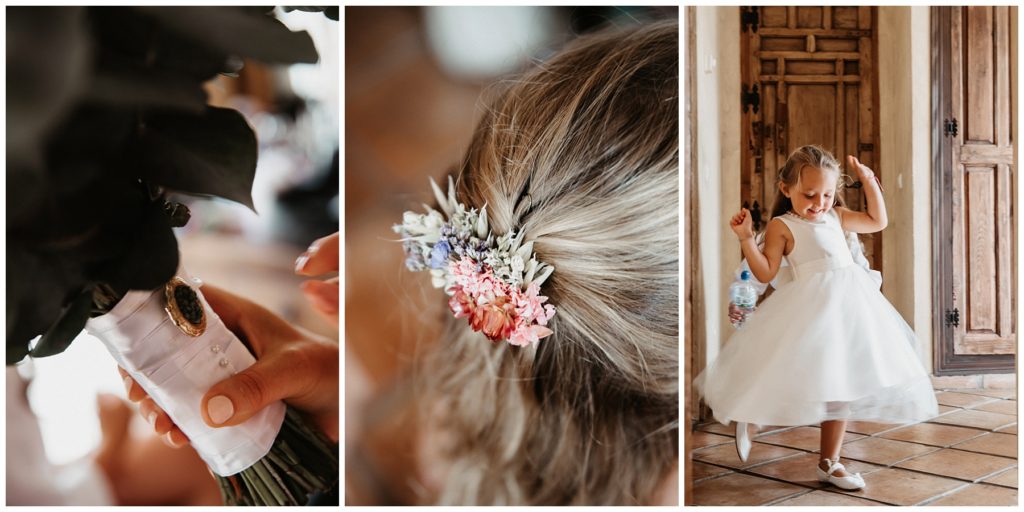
(718, 160)
(904, 85)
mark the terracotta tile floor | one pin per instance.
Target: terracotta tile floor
(967, 455)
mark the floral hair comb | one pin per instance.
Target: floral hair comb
(492, 281)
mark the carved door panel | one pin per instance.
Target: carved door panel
(977, 331)
(808, 78)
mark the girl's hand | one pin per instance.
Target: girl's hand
(735, 314)
(864, 172)
(742, 225)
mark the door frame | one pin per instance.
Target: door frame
(946, 361)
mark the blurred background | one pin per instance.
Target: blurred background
(294, 111)
(413, 83)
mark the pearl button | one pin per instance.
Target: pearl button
(215, 349)
(223, 363)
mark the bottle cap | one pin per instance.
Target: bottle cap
(745, 275)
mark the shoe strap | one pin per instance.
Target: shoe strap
(834, 466)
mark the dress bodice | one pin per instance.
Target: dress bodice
(817, 245)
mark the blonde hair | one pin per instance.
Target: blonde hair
(804, 156)
(581, 153)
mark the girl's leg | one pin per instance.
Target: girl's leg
(831, 440)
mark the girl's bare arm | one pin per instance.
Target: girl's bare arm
(765, 265)
(873, 220)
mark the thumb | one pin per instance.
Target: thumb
(236, 399)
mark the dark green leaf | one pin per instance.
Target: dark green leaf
(26, 192)
(127, 39)
(48, 53)
(37, 286)
(210, 154)
(237, 32)
(150, 258)
(144, 88)
(15, 353)
(70, 324)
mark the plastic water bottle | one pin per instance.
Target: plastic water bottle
(743, 294)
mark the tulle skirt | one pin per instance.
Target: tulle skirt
(827, 346)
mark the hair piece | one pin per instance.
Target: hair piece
(581, 154)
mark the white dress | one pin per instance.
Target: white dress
(826, 345)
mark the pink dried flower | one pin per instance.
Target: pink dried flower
(494, 319)
(500, 310)
(528, 334)
(460, 303)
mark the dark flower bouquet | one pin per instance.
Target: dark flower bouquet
(106, 115)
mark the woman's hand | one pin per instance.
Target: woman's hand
(321, 258)
(742, 225)
(291, 365)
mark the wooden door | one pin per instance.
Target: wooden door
(808, 78)
(976, 222)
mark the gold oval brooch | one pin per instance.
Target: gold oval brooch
(184, 307)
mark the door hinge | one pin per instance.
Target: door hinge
(950, 127)
(750, 98)
(953, 317)
(749, 18)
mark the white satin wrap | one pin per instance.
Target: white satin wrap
(176, 370)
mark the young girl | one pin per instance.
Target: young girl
(826, 347)
(556, 381)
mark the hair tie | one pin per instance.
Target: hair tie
(493, 282)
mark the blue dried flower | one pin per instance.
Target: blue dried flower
(439, 254)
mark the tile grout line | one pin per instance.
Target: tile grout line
(776, 501)
(992, 474)
(954, 447)
(941, 495)
(958, 479)
(997, 473)
(875, 500)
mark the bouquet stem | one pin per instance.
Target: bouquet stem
(279, 478)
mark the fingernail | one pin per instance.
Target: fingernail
(220, 409)
(168, 441)
(151, 418)
(128, 385)
(300, 264)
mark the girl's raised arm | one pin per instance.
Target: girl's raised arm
(873, 220)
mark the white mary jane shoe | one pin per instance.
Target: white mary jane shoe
(742, 441)
(849, 483)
